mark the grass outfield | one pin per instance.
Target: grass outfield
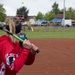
(49, 33)
(41, 32)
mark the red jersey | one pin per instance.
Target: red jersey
(13, 57)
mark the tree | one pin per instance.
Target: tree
(73, 15)
(2, 13)
(55, 8)
(50, 15)
(39, 15)
(2, 17)
(23, 11)
(70, 13)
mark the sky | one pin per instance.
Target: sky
(34, 6)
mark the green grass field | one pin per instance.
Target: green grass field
(41, 32)
(50, 34)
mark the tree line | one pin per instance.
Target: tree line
(69, 13)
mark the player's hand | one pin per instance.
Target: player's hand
(33, 49)
(27, 44)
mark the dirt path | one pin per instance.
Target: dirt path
(56, 57)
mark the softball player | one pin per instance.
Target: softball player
(13, 54)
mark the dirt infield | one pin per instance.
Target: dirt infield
(56, 57)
